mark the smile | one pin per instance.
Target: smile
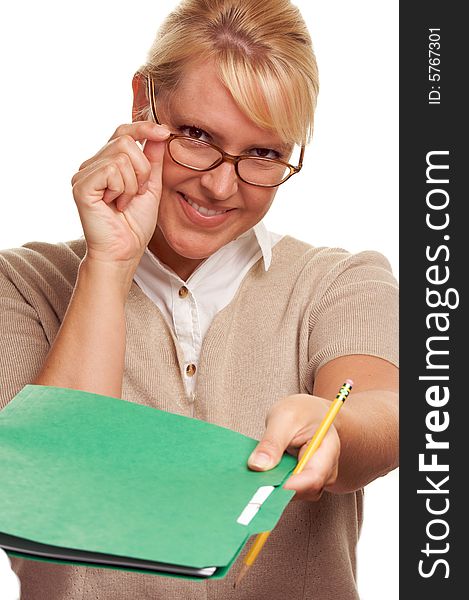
(202, 210)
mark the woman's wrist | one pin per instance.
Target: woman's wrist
(88, 352)
(114, 278)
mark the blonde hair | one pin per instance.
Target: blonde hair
(263, 52)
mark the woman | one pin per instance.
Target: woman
(179, 298)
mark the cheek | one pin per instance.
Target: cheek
(170, 174)
(173, 174)
(262, 201)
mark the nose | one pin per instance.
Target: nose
(221, 183)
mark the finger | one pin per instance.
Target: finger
(129, 179)
(114, 183)
(311, 480)
(130, 184)
(142, 130)
(155, 154)
(281, 428)
(92, 186)
(306, 487)
(139, 162)
(99, 181)
(124, 145)
(321, 470)
(309, 496)
(125, 139)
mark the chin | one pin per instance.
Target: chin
(196, 252)
(193, 247)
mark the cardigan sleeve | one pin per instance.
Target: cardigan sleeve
(24, 345)
(36, 284)
(357, 312)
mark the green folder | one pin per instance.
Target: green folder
(93, 480)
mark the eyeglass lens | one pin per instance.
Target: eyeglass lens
(192, 153)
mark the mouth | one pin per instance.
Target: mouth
(206, 212)
(201, 215)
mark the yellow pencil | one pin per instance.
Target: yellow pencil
(313, 445)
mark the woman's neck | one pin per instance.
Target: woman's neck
(182, 266)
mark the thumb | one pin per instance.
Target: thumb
(270, 449)
(155, 153)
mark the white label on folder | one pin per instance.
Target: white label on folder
(254, 504)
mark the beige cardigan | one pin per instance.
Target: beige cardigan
(313, 305)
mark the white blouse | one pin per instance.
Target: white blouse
(190, 306)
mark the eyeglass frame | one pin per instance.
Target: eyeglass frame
(225, 156)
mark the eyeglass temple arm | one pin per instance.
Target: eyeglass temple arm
(151, 97)
(300, 160)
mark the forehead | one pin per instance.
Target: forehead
(202, 97)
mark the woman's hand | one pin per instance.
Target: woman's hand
(290, 425)
(118, 190)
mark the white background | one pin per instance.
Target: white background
(66, 70)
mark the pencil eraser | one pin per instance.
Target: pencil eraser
(349, 381)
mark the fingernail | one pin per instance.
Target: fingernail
(259, 459)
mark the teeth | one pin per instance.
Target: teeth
(202, 210)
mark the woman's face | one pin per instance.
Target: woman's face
(204, 109)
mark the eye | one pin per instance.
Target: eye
(194, 132)
(265, 153)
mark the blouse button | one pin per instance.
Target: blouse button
(183, 292)
(190, 370)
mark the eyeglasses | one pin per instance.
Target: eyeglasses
(203, 156)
